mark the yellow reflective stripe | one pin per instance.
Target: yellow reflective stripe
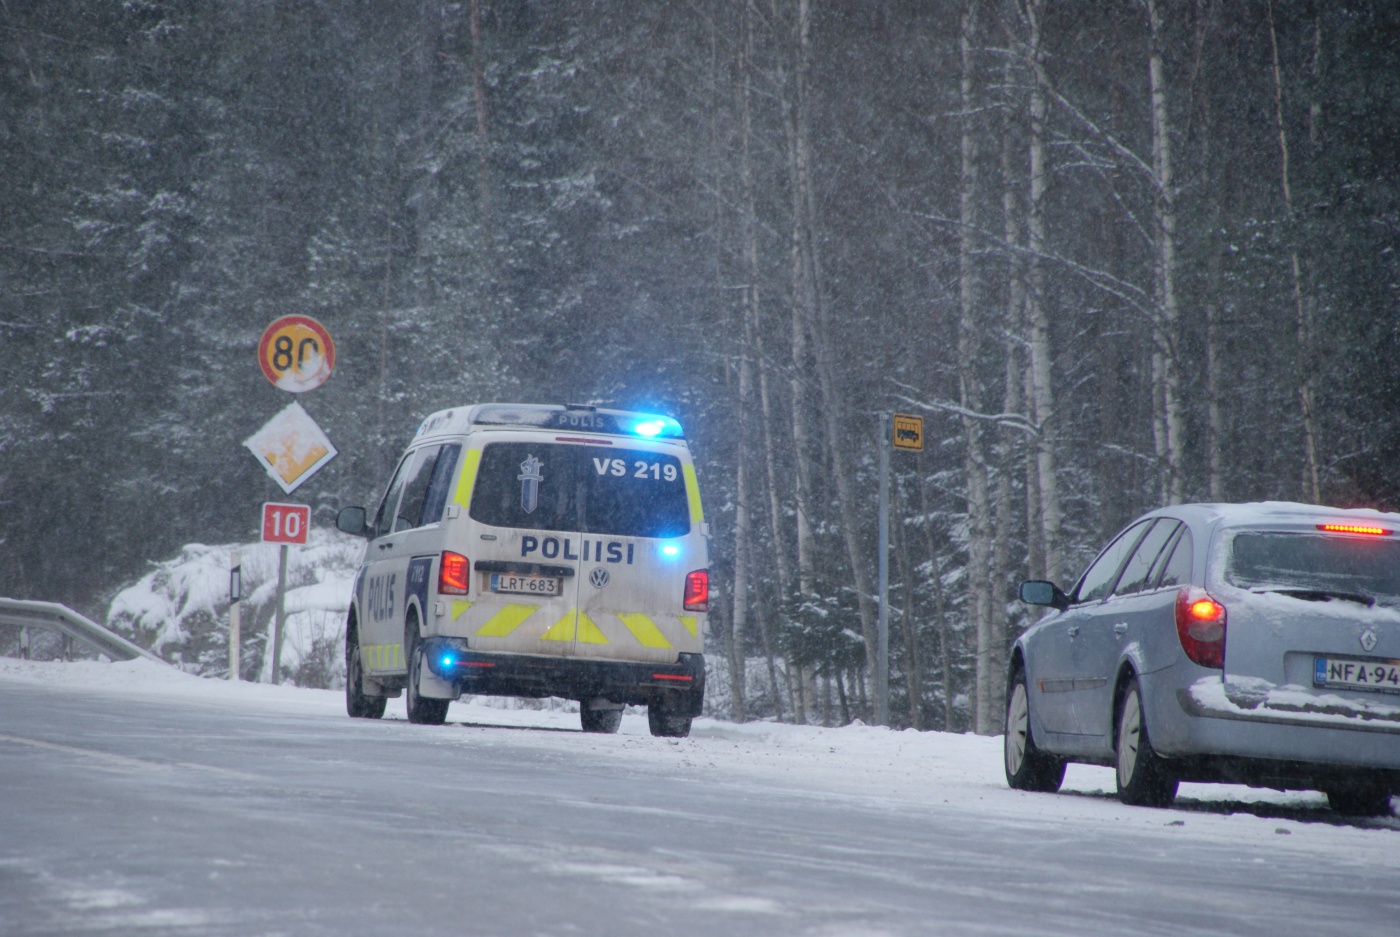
(691, 625)
(382, 656)
(458, 607)
(467, 480)
(643, 629)
(692, 494)
(506, 620)
(575, 625)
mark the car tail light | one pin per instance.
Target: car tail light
(1200, 625)
(454, 574)
(697, 591)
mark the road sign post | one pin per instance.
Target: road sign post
(284, 524)
(899, 431)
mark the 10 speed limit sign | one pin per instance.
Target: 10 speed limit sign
(296, 353)
(285, 523)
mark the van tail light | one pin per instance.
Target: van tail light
(1200, 626)
(697, 591)
(454, 574)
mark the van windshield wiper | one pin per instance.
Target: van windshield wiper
(1320, 595)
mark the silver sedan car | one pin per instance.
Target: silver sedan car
(1250, 643)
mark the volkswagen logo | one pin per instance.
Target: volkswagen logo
(599, 577)
(1368, 639)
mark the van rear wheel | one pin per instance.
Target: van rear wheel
(421, 710)
(666, 724)
(602, 721)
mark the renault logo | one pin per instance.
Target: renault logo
(599, 578)
(1368, 639)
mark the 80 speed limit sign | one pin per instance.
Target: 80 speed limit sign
(296, 353)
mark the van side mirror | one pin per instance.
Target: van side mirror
(352, 520)
(1044, 592)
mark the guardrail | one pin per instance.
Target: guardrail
(62, 618)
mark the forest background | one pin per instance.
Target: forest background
(1118, 254)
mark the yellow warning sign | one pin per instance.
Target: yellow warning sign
(908, 432)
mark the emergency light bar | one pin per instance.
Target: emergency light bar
(580, 418)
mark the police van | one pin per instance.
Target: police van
(533, 550)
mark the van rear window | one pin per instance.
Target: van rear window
(589, 489)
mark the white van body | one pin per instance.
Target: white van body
(535, 550)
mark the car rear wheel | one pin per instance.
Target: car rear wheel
(1144, 779)
(1360, 801)
(1027, 767)
(357, 704)
(602, 721)
(666, 724)
(421, 710)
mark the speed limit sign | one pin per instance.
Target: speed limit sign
(296, 353)
(285, 523)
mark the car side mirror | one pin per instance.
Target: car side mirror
(352, 520)
(1044, 592)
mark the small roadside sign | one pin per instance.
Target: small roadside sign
(908, 432)
(296, 354)
(285, 523)
(291, 447)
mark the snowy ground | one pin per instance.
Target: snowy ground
(882, 767)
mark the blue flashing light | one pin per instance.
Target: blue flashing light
(448, 662)
(652, 427)
(670, 550)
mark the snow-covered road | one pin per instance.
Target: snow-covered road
(140, 800)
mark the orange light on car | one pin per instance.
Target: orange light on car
(1206, 609)
(454, 574)
(1354, 529)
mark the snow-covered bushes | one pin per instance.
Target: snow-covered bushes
(180, 609)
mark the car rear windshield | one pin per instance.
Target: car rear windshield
(589, 489)
(1311, 562)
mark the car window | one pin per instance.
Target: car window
(1177, 571)
(1139, 565)
(415, 488)
(384, 518)
(1311, 562)
(1099, 578)
(590, 489)
(444, 470)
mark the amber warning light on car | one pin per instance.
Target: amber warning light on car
(1200, 626)
(1354, 529)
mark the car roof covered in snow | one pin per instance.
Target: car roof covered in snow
(1275, 515)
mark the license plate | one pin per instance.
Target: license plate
(524, 585)
(1349, 673)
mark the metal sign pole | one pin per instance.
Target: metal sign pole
(235, 595)
(280, 620)
(882, 640)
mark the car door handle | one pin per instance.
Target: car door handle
(1120, 629)
(1073, 631)
(386, 546)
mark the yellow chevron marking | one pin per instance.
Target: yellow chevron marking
(691, 625)
(506, 620)
(467, 480)
(643, 629)
(458, 607)
(565, 629)
(575, 625)
(590, 633)
(692, 492)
